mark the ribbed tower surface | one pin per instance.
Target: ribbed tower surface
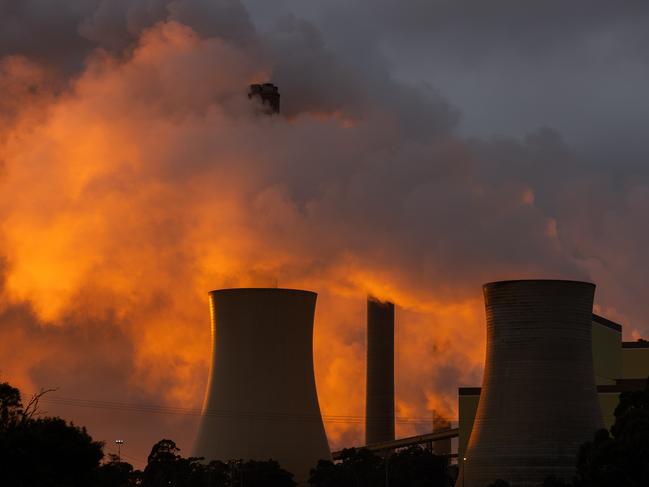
(261, 401)
(539, 401)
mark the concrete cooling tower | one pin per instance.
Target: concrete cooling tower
(538, 401)
(379, 400)
(261, 401)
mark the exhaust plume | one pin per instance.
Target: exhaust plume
(135, 175)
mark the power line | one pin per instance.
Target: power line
(185, 411)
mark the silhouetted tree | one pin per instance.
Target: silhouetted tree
(357, 468)
(499, 483)
(115, 473)
(417, 467)
(214, 474)
(260, 474)
(11, 408)
(622, 457)
(411, 467)
(554, 481)
(165, 467)
(48, 452)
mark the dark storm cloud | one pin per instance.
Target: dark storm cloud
(45, 30)
(465, 30)
(510, 67)
(63, 33)
(117, 23)
(316, 78)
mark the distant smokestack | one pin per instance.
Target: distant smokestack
(379, 402)
(261, 401)
(267, 94)
(538, 402)
(440, 423)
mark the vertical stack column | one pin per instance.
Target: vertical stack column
(379, 403)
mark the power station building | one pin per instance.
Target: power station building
(261, 401)
(553, 375)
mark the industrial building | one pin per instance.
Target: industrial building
(261, 401)
(553, 375)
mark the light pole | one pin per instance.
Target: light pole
(119, 444)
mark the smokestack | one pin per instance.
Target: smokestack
(379, 400)
(268, 95)
(538, 402)
(440, 423)
(261, 401)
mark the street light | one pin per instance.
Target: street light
(119, 444)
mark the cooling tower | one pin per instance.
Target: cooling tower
(261, 401)
(379, 400)
(538, 401)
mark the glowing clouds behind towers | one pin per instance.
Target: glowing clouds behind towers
(379, 402)
(538, 401)
(261, 401)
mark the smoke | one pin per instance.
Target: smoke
(139, 177)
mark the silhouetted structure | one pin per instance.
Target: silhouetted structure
(379, 399)
(261, 401)
(440, 424)
(267, 94)
(538, 401)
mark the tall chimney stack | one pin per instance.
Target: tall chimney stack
(379, 399)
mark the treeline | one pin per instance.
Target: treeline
(50, 452)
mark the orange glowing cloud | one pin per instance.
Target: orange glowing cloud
(148, 180)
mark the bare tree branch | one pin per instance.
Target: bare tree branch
(31, 409)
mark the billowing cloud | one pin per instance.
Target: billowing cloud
(143, 177)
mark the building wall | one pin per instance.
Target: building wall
(635, 360)
(608, 402)
(468, 400)
(607, 351)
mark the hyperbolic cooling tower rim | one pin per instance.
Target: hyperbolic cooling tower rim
(265, 289)
(506, 281)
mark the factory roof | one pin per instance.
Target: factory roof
(608, 323)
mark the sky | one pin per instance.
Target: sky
(424, 148)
